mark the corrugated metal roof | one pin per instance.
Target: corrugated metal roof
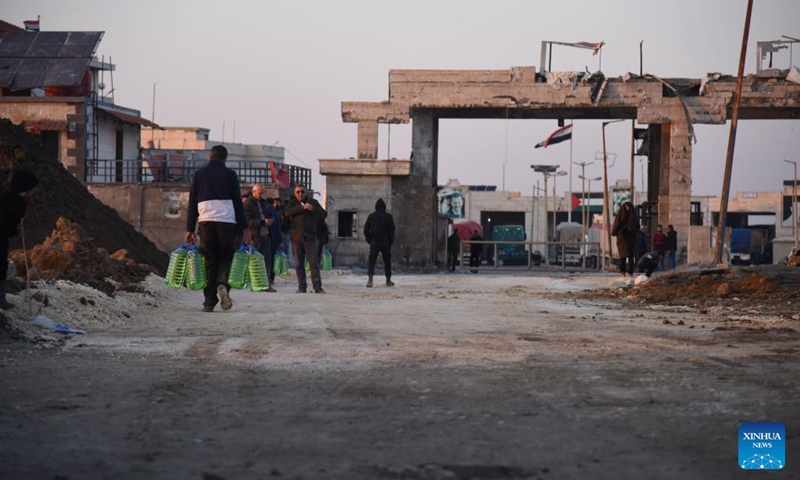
(37, 126)
(128, 118)
(45, 59)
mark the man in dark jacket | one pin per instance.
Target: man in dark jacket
(216, 210)
(303, 213)
(626, 226)
(13, 204)
(260, 224)
(672, 246)
(379, 233)
(276, 236)
(475, 251)
(453, 250)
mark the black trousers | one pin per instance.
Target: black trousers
(217, 245)
(306, 250)
(265, 248)
(452, 259)
(386, 253)
(475, 259)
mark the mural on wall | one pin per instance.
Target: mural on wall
(175, 203)
(451, 203)
(787, 211)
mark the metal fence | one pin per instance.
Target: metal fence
(182, 171)
(536, 254)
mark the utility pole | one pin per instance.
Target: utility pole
(726, 182)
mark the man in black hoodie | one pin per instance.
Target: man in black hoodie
(379, 233)
(13, 204)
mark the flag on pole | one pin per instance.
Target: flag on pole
(31, 25)
(560, 135)
(280, 175)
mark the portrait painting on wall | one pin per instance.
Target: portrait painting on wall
(451, 203)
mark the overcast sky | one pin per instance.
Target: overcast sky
(279, 70)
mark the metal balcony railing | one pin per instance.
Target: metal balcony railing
(182, 169)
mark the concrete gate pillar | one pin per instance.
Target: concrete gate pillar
(368, 139)
(675, 179)
(416, 195)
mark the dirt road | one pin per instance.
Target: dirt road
(441, 377)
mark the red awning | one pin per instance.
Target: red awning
(128, 118)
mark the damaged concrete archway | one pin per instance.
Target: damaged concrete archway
(669, 107)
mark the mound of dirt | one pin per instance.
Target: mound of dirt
(68, 254)
(60, 194)
(768, 289)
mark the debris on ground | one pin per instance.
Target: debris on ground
(69, 254)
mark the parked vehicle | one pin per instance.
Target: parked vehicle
(747, 246)
(568, 236)
(513, 253)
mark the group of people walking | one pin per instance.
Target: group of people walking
(222, 218)
(632, 244)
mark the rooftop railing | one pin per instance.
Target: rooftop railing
(182, 169)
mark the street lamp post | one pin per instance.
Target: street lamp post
(545, 170)
(555, 198)
(583, 166)
(794, 204)
(583, 207)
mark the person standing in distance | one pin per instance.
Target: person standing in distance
(216, 210)
(303, 213)
(13, 204)
(260, 223)
(626, 226)
(379, 233)
(660, 245)
(475, 251)
(453, 250)
(672, 246)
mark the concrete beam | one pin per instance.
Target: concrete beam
(380, 112)
(392, 168)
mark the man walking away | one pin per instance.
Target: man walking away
(303, 213)
(216, 210)
(13, 204)
(379, 233)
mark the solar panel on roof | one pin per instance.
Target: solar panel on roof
(47, 46)
(81, 44)
(45, 59)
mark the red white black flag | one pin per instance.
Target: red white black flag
(31, 25)
(560, 135)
